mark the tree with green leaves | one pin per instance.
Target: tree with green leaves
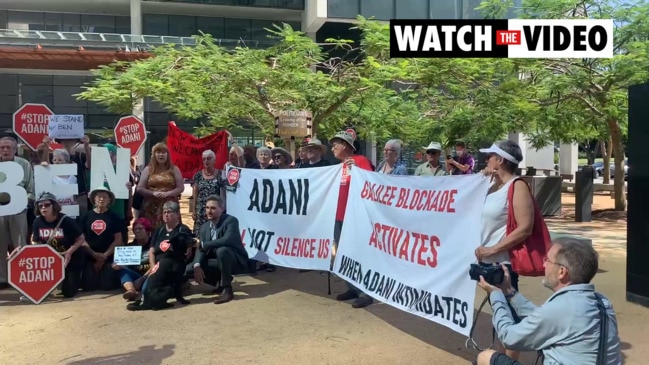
(589, 93)
(228, 86)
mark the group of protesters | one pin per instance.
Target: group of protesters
(88, 242)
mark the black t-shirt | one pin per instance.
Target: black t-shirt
(64, 237)
(320, 163)
(100, 229)
(161, 234)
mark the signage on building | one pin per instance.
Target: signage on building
(293, 123)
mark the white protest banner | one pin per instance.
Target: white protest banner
(103, 170)
(60, 180)
(286, 217)
(408, 241)
(65, 127)
(128, 255)
(11, 175)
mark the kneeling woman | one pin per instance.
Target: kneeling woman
(103, 231)
(53, 228)
(132, 277)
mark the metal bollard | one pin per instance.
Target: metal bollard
(584, 188)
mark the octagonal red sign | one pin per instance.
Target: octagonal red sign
(30, 123)
(130, 132)
(35, 271)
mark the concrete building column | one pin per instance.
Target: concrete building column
(568, 158)
(136, 17)
(314, 15)
(542, 158)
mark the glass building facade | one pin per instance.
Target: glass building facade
(279, 4)
(57, 91)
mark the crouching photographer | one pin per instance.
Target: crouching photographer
(575, 325)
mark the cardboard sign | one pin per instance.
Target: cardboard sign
(293, 123)
(127, 255)
(65, 127)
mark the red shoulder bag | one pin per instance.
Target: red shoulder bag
(527, 258)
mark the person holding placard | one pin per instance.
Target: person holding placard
(53, 228)
(61, 156)
(81, 159)
(132, 277)
(160, 182)
(343, 148)
(103, 232)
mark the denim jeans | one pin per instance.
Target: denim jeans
(127, 275)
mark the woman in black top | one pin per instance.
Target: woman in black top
(62, 233)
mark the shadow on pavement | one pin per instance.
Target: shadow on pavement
(149, 355)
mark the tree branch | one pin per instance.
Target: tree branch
(337, 104)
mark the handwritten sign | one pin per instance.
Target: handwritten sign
(128, 255)
(65, 126)
(293, 123)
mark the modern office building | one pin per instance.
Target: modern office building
(47, 47)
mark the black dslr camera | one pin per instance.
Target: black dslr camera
(493, 274)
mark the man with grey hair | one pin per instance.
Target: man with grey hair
(575, 325)
(14, 227)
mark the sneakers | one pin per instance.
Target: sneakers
(349, 294)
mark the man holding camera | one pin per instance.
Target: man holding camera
(568, 328)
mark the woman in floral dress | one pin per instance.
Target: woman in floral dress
(160, 182)
(206, 182)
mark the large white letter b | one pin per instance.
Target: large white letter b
(11, 174)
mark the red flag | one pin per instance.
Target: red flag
(186, 151)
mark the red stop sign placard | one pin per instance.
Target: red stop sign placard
(35, 271)
(130, 132)
(30, 123)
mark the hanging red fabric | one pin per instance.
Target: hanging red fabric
(527, 258)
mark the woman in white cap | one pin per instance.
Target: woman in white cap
(53, 228)
(432, 166)
(103, 232)
(503, 158)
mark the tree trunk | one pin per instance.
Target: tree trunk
(618, 149)
(606, 156)
(591, 153)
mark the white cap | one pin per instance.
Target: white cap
(499, 151)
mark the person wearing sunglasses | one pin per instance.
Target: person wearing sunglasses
(62, 233)
(391, 155)
(281, 158)
(432, 166)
